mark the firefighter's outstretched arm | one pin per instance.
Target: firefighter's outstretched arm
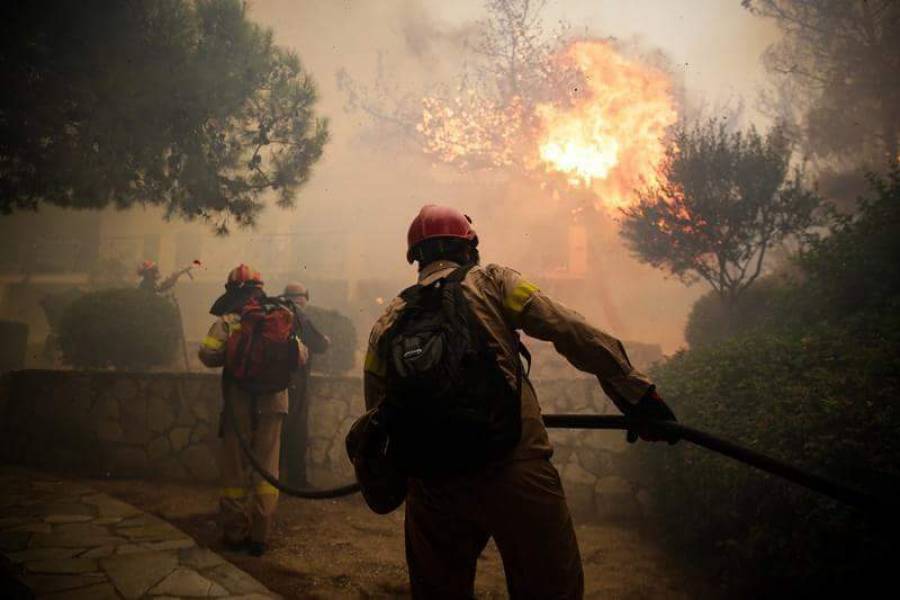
(591, 350)
(170, 281)
(588, 348)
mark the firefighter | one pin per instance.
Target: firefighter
(295, 435)
(247, 502)
(148, 271)
(517, 498)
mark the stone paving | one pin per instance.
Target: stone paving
(62, 539)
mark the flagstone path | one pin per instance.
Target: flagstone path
(62, 539)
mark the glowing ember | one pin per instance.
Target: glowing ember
(471, 131)
(610, 137)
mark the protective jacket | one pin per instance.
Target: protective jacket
(504, 302)
(247, 502)
(517, 499)
(212, 354)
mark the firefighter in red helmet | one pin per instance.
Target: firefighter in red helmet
(514, 493)
(148, 271)
(247, 502)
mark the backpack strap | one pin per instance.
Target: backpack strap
(459, 273)
(526, 354)
(288, 304)
(411, 293)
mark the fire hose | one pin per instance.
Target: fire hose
(668, 429)
(337, 492)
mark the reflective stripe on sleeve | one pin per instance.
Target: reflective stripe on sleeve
(212, 343)
(374, 364)
(234, 492)
(264, 488)
(516, 300)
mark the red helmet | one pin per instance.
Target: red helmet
(244, 275)
(438, 222)
(146, 267)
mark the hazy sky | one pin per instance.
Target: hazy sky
(715, 43)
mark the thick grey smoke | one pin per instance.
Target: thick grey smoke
(346, 236)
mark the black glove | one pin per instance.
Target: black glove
(651, 407)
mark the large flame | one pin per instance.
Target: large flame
(609, 138)
(603, 136)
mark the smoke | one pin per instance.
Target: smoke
(346, 236)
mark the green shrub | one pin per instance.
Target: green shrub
(811, 375)
(823, 398)
(340, 356)
(120, 328)
(857, 267)
(711, 320)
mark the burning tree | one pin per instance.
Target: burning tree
(579, 120)
(722, 200)
(577, 115)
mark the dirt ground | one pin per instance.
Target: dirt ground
(338, 549)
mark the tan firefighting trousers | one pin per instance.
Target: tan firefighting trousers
(521, 505)
(248, 502)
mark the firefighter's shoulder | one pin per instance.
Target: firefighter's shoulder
(387, 318)
(503, 274)
(515, 290)
(374, 363)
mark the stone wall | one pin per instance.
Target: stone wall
(165, 425)
(112, 423)
(592, 464)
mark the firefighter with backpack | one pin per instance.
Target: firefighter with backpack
(256, 339)
(454, 426)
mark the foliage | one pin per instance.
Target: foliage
(473, 123)
(711, 320)
(340, 356)
(724, 200)
(812, 377)
(109, 272)
(513, 48)
(122, 328)
(838, 66)
(179, 103)
(825, 399)
(858, 266)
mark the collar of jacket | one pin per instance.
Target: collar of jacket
(436, 270)
(232, 300)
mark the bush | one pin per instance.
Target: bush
(811, 376)
(340, 356)
(824, 399)
(858, 266)
(120, 328)
(711, 320)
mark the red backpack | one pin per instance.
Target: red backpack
(262, 353)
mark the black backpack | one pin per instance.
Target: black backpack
(449, 408)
